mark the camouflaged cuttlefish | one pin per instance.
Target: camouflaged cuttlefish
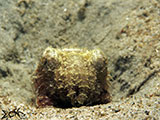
(71, 77)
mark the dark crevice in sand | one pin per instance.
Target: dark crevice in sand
(138, 87)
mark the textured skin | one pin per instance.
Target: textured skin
(71, 77)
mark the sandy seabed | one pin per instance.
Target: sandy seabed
(126, 31)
